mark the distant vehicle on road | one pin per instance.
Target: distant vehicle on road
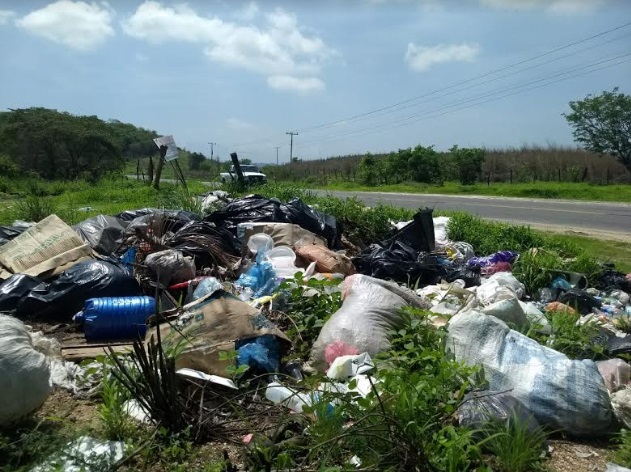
(251, 173)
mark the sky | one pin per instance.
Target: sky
(349, 76)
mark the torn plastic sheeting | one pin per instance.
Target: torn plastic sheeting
(440, 231)
(65, 295)
(14, 289)
(7, 233)
(510, 312)
(370, 309)
(621, 403)
(478, 408)
(84, 454)
(611, 467)
(170, 266)
(563, 394)
(103, 233)
(499, 287)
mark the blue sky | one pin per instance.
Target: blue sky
(350, 76)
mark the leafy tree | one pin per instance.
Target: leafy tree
(368, 171)
(469, 163)
(602, 123)
(424, 165)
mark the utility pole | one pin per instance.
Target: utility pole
(291, 145)
(211, 152)
(277, 147)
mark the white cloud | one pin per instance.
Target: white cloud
(557, 6)
(422, 58)
(278, 48)
(78, 25)
(298, 84)
(5, 16)
(248, 12)
(236, 123)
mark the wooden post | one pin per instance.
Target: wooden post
(511, 176)
(150, 171)
(163, 152)
(488, 178)
(237, 168)
(559, 174)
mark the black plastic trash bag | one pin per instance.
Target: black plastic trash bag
(418, 234)
(611, 279)
(258, 209)
(299, 213)
(65, 296)
(618, 345)
(451, 272)
(7, 233)
(250, 209)
(182, 216)
(479, 408)
(103, 233)
(398, 262)
(156, 225)
(580, 300)
(14, 289)
(209, 245)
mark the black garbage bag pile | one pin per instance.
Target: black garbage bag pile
(65, 295)
(209, 246)
(258, 209)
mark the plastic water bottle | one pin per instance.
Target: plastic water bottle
(278, 394)
(116, 317)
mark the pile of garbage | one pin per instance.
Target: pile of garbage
(207, 286)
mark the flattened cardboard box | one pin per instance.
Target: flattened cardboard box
(45, 249)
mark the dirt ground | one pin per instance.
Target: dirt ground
(565, 455)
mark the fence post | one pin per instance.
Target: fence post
(559, 174)
(488, 178)
(511, 176)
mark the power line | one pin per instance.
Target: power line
(434, 113)
(510, 66)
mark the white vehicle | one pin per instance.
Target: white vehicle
(252, 174)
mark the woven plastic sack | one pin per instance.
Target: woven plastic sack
(370, 309)
(24, 372)
(561, 393)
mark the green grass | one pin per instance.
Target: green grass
(564, 190)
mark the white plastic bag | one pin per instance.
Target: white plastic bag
(499, 287)
(561, 393)
(24, 372)
(370, 309)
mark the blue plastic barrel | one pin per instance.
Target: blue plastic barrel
(116, 317)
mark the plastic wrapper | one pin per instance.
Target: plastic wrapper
(170, 266)
(103, 233)
(479, 408)
(562, 394)
(66, 295)
(14, 289)
(502, 256)
(261, 353)
(370, 309)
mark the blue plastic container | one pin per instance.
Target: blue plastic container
(116, 317)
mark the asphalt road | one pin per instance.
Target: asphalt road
(589, 217)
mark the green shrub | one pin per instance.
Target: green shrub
(622, 453)
(34, 208)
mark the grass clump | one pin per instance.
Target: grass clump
(622, 454)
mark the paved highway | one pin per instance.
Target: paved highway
(588, 217)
